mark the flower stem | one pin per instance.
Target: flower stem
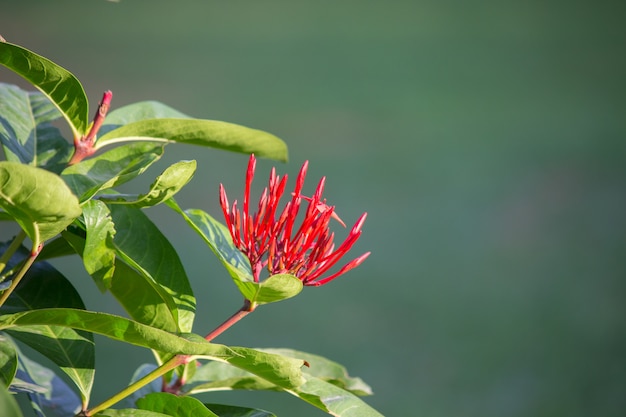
(25, 267)
(170, 364)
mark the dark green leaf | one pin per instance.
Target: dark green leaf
(99, 252)
(50, 396)
(142, 245)
(279, 370)
(38, 200)
(174, 406)
(56, 248)
(211, 133)
(8, 405)
(8, 361)
(25, 132)
(111, 168)
(136, 112)
(172, 180)
(73, 351)
(58, 84)
(223, 410)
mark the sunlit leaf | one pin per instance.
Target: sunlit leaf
(223, 410)
(138, 111)
(142, 245)
(174, 406)
(57, 83)
(99, 252)
(130, 412)
(279, 370)
(216, 235)
(111, 168)
(38, 200)
(25, 132)
(211, 133)
(172, 180)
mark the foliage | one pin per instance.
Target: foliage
(62, 196)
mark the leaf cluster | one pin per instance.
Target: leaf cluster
(66, 204)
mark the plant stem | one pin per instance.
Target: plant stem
(170, 364)
(17, 241)
(16, 280)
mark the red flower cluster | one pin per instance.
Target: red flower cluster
(271, 239)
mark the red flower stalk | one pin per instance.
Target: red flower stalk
(268, 239)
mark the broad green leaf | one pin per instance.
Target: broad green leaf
(111, 168)
(332, 399)
(216, 235)
(211, 133)
(174, 406)
(38, 200)
(57, 83)
(25, 132)
(56, 248)
(327, 370)
(142, 245)
(99, 252)
(172, 180)
(130, 412)
(136, 112)
(154, 386)
(279, 370)
(73, 351)
(223, 410)
(49, 395)
(8, 361)
(8, 405)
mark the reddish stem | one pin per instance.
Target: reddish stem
(84, 146)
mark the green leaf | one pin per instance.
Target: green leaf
(233, 411)
(73, 351)
(8, 361)
(130, 412)
(25, 132)
(275, 288)
(142, 245)
(136, 112)
(279, 370)
(211, 133)
(174, 406)
(57, 83)
(332, 399)
(38, 200)
(327, 386)
(111, 168)
(99, 252)
(8, 405)
(217, 236)
(166, 185)
(327, 370)
(49, 395)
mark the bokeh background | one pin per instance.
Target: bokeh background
(486, 140)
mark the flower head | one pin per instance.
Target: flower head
(271, 239)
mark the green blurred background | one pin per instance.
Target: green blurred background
(486, 140)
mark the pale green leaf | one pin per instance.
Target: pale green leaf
(130, 412)
(57, 83)
(174, 406)
(8, 405)
(111, 168)
(166, 185)
(8, 361)
(138, 111)
(279, 370)
(99, 252)
(211, 133)
(38, 200)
